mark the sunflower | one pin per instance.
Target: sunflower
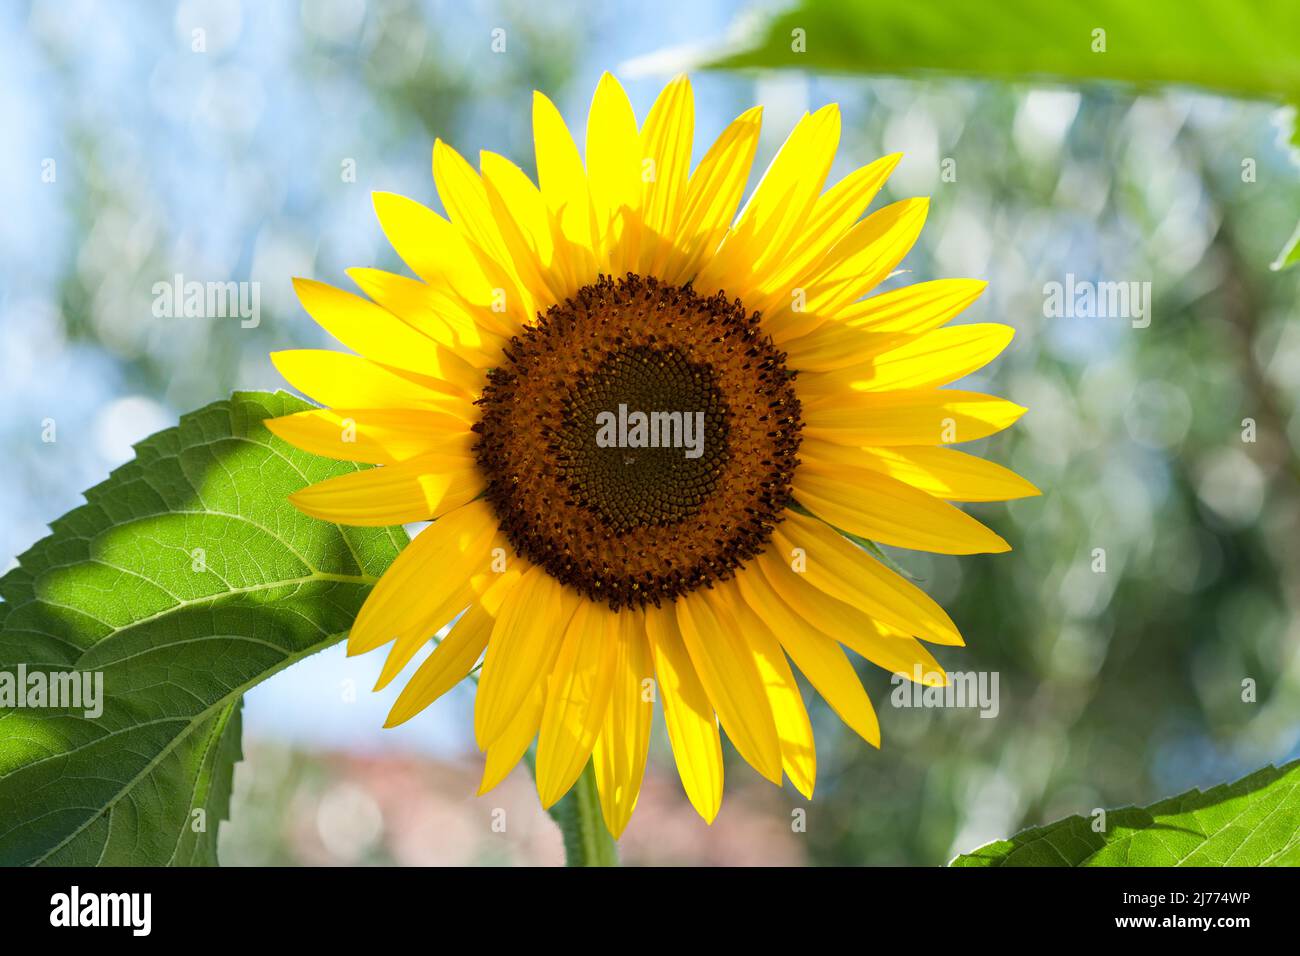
(763, 422)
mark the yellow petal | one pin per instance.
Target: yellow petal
(563, 182)
(817, 656)
(614, 175)
(577, 697)
(793, 729)
(688, 715)
(463, 193)
(834, 565)
(881, 509)
(867, 254)
(528, 229)
(726, 667)
(923, 361)
(624, 741)
(417, 489)
(893, 650)
(505, 752)
(780, 204)
(446, 667)
(918, 416)
(435, 312)
(784, 268)
(914, 308)
(795, 177)
(341, 380)
(714, 190)
(377, 436)
(525, 641)
(852, 268)
(666, 143)
(425, 241)
(942, 472)
(438, 253)
(437, 563)
(487, 588)
(382, 337)
(465, 198)
(833, 346)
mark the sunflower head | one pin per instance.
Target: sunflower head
(639, 441)
(649, 431)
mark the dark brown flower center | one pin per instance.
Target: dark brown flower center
(639, 440)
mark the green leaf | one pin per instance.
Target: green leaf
(1247, 50)
(185, 580)
(1253, 822)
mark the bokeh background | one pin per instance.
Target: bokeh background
(1117, 687)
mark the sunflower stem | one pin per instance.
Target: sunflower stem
(586, 840)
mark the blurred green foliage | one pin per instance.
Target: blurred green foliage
(1249, 49)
